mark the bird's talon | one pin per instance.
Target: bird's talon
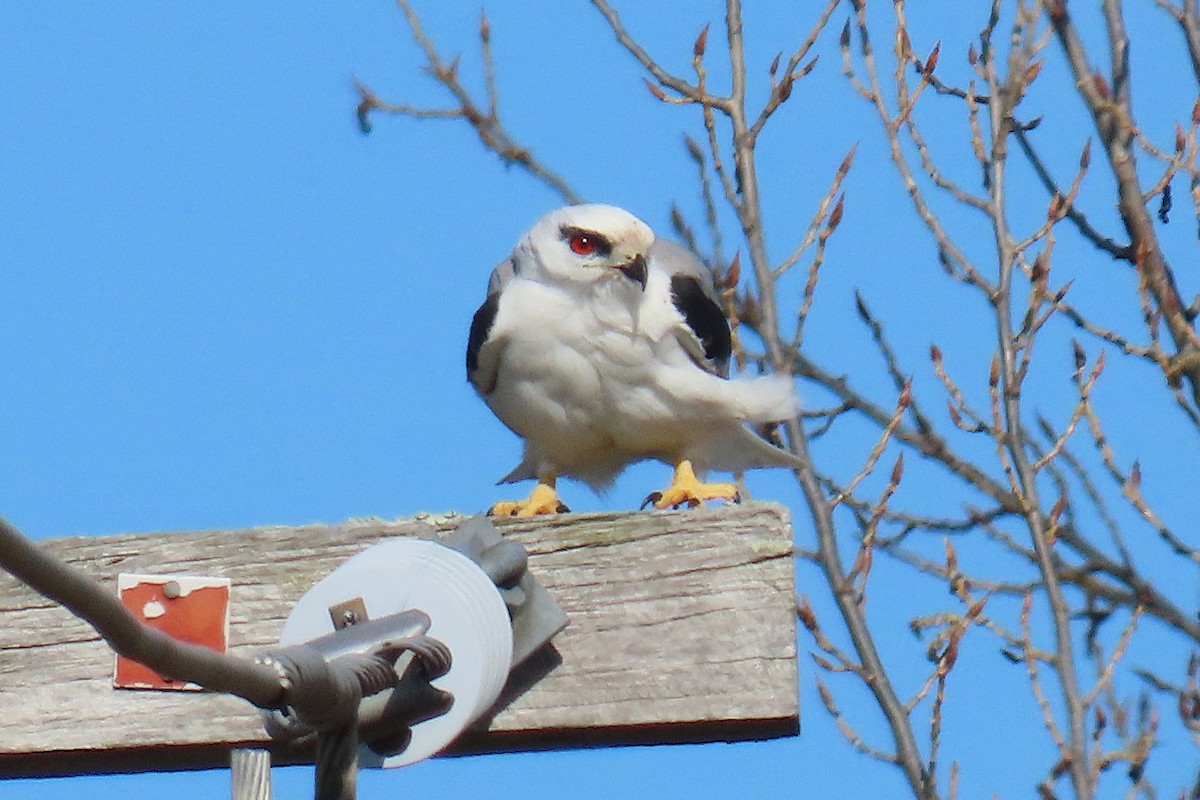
(543, 500)
(562, 508)
(687, 490)
(651, 499)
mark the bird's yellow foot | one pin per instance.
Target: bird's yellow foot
(687, 489)
(543, 500)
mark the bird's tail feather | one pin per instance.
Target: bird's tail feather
(770, 398)
(521, 472)
(737, 449)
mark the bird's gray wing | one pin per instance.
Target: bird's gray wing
(678, 260)
(706, 336)
(482, 375)
(501, 275)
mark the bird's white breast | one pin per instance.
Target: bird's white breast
(580, 377)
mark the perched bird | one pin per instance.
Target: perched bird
(600, 346)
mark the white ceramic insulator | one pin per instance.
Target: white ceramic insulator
(467, 614)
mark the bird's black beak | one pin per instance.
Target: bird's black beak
(635, 270)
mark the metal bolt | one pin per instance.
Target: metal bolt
(347, 613)
(171, 590)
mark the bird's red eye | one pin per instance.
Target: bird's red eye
(581, 244)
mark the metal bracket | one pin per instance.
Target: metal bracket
(536, 617)
(385, 720)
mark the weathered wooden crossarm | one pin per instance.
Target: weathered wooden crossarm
(682, 628)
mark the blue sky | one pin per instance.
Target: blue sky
(223, 307)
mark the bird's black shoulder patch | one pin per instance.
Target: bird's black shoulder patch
(706, 320)
(481, 326)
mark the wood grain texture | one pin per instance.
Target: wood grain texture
(682, 628)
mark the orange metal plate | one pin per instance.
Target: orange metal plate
(186, 607)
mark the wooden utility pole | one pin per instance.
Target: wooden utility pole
(682, 628)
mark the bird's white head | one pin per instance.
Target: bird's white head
(584, 245)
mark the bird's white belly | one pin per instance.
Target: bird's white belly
(581, 390)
